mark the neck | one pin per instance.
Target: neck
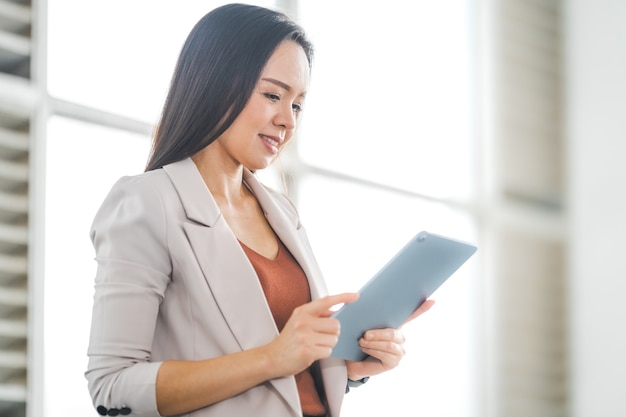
(223, 178)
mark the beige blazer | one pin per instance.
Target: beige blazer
(173, 283)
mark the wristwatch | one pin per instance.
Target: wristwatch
(354, 384)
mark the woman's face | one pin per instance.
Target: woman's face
(269, 119)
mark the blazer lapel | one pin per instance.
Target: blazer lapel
(291, 232)
(227, 270)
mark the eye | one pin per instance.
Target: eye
(272, 96)
(297, 108)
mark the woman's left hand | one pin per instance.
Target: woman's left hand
(385, 348)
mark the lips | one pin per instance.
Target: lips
(273, 142)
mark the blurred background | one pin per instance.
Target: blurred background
(500, 122)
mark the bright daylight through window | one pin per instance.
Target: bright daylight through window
(383, 152)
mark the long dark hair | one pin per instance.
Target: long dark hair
(218, 67)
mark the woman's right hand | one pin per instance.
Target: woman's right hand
(309, 335)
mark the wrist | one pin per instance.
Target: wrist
(356, 370)
(268, 363)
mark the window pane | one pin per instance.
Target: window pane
(83, 161)
(389, 95)
(118, 55)
(354, 230)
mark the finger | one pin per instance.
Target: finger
(387, 345)
(326, 340)
(424, 307)
(383, 350)
(325, 325)
(389, 354)
(323, 305)
(385, 335)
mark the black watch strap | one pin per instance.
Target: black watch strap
(354, 384)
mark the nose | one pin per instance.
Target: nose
(286, 117)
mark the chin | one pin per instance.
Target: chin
(259, 165)
(255, 167)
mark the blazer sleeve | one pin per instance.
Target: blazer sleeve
(133, 271)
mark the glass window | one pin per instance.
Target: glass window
(389, 96)
(118, 55)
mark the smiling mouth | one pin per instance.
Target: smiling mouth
(271, 141)
(273, 144)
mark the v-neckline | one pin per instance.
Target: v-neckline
(260, 254)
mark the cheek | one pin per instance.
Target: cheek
(249, 116)
(256, 110)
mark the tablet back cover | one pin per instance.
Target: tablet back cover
(402, 285)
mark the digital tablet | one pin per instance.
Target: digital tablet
(402, 285)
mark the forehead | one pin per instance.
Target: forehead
(288, 64)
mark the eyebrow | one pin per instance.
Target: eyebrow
(281, 84)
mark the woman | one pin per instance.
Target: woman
(208, 300)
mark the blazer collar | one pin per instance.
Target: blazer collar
(288, 228)
(201, 207)
(196, 199)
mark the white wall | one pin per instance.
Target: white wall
(595, 34)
